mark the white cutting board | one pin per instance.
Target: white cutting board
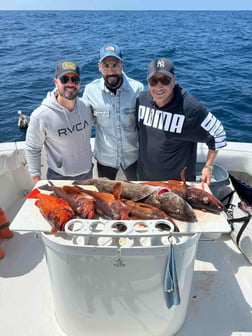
(29, 217)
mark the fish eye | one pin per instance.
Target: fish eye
(178, 212)
(205, 200)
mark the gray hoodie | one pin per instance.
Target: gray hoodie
(64, 134)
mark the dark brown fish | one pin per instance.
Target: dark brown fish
(139, 210)
(131, 191)
(171, 203)
(176, 207)
(109, 204)
(197, 198)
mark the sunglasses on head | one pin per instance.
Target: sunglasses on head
(65, 79)
(163, 80)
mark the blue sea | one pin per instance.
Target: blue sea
(211, 51)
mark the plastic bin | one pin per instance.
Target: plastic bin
(99, 289)
(219, 178)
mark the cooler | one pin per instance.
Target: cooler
(118, 290)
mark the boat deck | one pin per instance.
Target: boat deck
(220, 304)
(221, 295)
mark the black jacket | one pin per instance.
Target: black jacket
(168, 136)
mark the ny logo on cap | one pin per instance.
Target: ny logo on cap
(160, 64)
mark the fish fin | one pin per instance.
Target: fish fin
(71, 190)
(46, 187)
(175, 182)
(33, 194)
(81, 189)
(182, 175)
(117, 189)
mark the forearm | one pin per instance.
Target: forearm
(207, 169)
(211, 155)
(36, 179)
(33, 157)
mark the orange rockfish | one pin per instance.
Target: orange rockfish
(55, 210)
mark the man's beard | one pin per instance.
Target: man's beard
(115, 83)
(69, 94)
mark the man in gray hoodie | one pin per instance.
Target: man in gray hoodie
(62, 124)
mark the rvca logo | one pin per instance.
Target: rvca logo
(75, 128)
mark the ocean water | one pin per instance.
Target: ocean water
(211, 51)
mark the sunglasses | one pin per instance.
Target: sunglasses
(163, 80)
(65, 79)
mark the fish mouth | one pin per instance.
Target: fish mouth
(162, 191)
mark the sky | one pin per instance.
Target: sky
(126, 4)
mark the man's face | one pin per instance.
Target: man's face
(161, 88)
(111, 70)
(68, 85)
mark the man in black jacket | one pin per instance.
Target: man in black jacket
(171, 122)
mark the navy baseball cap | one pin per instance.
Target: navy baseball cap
(163, 65)
(110, 50)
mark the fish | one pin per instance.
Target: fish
(139, 210)
(197, 198)
(56, 211)
(129, 190)
(171, 203)
(175, 206)
(110, 204)
(82, 203)
(203, 200)
(144, 193)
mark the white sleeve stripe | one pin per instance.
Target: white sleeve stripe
(212, 125)
(215, 127)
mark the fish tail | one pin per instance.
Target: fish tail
(33, 194)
